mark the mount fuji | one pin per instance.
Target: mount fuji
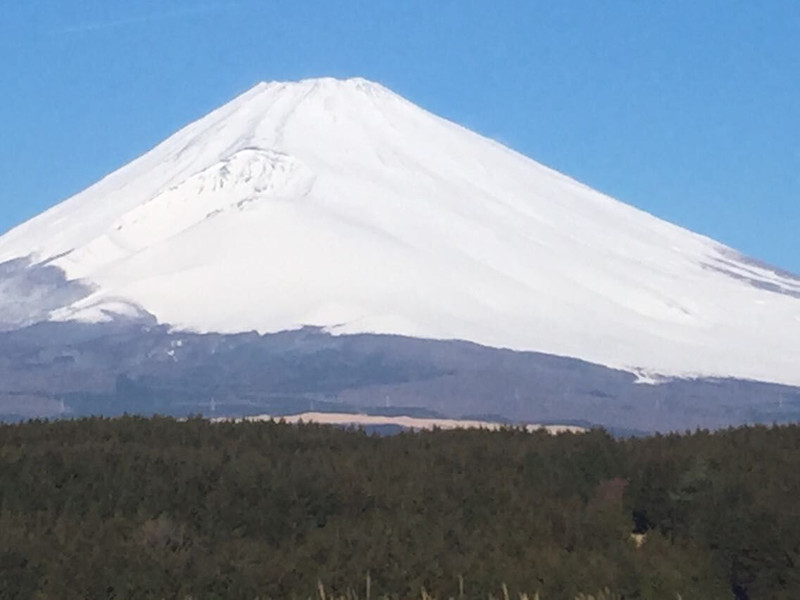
(336, 211)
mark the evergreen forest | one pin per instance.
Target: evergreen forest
(159, 508)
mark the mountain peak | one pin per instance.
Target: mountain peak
(318, 87)
(325, 84)
(282, 115)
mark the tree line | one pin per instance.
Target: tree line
(158, 508)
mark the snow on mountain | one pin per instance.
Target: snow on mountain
(340, 204)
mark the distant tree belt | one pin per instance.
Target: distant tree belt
(157, 508)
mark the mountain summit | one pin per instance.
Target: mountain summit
(339, 204)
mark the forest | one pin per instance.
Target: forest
(136, 507)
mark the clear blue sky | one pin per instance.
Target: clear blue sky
(689, 109)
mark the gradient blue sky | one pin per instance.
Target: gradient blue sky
(687, 109)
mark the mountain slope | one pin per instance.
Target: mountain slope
(339, 204)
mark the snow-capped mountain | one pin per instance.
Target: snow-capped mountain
(339, 204)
